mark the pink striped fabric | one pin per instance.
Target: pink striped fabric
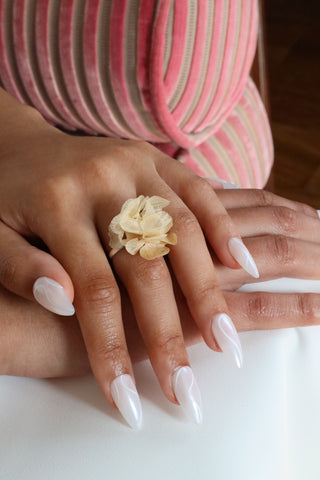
(241, 150)
(172, 72)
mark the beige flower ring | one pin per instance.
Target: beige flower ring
(142, 226)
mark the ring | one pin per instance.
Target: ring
(142, 226)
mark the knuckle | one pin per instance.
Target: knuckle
(95, 167)
(109, 350)
(168, 342)
(140, 150)
(305, 209)
(283, 249)
(100, 292)
(308, 306)
(205, 293)
(286, 219)
(259, 306)
(186, 222)
(8, 270)
(198, 185)
(265, 198)
(55, 194)
(153, 273)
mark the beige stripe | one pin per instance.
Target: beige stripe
(187, 55)
(236, 140)
(224, 157)
(265, 126)
(219, 62)
(77, 41)
(30, 25)
(204, 65)
(248, 39)
(253, 129)
(8, 38)
(233, 61)
(169, 37)
(203, 162)
(53, 14)
(130, 66)
(103, 32)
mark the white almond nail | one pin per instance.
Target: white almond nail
(242, 255)
(318, 211)
(52, 296)
(227, 336)
(188, 394)
(225, 183)
(127, 400)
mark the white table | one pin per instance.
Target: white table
(260, 423)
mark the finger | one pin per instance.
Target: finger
(98, 308)
(199, 196)
(34, 274)
(277, 253)
(150, 289)
(194, 270)
(218, 183)
(276, 220)
(244, 198)
(265, 311)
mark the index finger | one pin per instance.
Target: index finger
(98, 309)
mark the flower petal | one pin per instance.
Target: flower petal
(133, 246)
(171, 238)
(115, 240)
(155, 204)
(150, 252)
(114, 225)
(130, 225)
(132, 207)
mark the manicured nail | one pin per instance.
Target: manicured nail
(242, 255)
(126, 398)
(188, 394)
(225, 183)
(318, 213)
(227, 336)
(52, 296)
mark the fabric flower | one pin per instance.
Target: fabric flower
(142, 226)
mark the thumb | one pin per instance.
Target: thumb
(33, 274)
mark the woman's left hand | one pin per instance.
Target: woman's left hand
(284, 237)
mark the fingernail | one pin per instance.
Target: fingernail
(52, 296)
(242, 255)
(188, 394)
(225, 183)
(227, 336)
(126, 398)
(318, 211)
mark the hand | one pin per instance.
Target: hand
(65, 190)
(35, 342)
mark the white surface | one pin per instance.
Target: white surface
(260, 423)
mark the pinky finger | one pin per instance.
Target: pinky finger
(265, 310)
(33, 274)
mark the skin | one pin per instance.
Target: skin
(284, 238)
(65, 190)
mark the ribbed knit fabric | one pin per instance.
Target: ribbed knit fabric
(169, 72)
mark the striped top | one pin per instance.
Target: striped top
(154, 69)
(171, 72)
